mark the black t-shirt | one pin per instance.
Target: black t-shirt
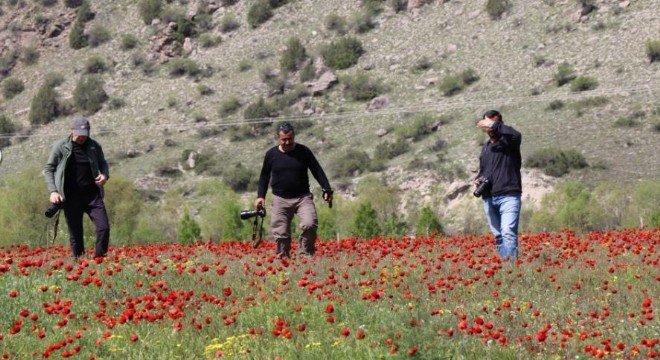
(78, 176)
(500, 162)
(287, 172)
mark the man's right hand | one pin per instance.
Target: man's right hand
(55, 197)
(259, 203)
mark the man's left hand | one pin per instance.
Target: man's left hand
(100, 180)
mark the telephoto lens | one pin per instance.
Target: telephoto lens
(483, 186)
(52, 210)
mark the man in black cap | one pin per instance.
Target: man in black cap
(285, 167)
(75, 173)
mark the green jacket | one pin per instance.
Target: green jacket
(57, 161)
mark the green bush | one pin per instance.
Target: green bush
(469, 76)
(428, 223)
(422, 64)
(77, 37)
(365, 223)
(653, 50)
(626, 122)
(555, 105)
(188, 231)
(150, 10)
(389, 150)
(228, 23)
(419, 128)
(343, 53)
(556, 162)
(184, 28)
(307, 73)
(361, 87)
(73, 3)
(244, 65)
(183, 66)
(7, 129)
(44, 107)
(209, 41)
(123, 203)
(128, 42)
(352, 162)
(363, 21)
(451, 85)
(95, 64)
(259, 13)
(229, 106)
(398, 5)
(580, 106)
(218, 218)
(258, 110)
(496, 8)
(12, 87)
(89, 95)
(583, 83)
(29, 55)
(204, 89)
(564, 75)
(98, 35)
(239, 178)
(293, 55)
(84, 13)
(336, 23)
(7, 63)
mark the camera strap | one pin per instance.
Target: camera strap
(56, 224)
(257, 231)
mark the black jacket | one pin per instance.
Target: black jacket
(500, 161)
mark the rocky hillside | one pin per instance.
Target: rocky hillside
(177, 99)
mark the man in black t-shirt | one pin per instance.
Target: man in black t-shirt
(285, 167)
(75, 173)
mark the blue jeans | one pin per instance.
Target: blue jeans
(503, 213)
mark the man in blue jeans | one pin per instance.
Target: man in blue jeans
(499, 173)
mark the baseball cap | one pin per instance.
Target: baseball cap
(80, 127)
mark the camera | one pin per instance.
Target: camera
(247, 214)
(484, 185)
(53, 209)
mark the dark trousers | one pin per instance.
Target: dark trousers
(93, 206)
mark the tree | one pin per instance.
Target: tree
(428, 223)
(365, 223)
(89, 94)
(44, 107)
(77, 38)
(189, 230)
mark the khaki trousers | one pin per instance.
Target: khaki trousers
(280, 223)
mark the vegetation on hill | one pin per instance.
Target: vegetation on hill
(376, 88)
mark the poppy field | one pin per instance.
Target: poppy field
(568, 296)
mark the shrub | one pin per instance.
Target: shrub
(538, 60)
(95, 64)
(336, 23)
(496, 8)
(184, 28)
(7, 129)
(653, 50)
(188, 231)
(418, 128)
(204, 89)
(555, 105)
(228, 23)
(12, 87)
(451, 85)
(580, 106)
(209, 41)
(238, 178)
(583, 83)
(361, 88)
(293, 55)
(29, 55)
(84, 13)
(44, 107)
(150, 10)
(422, 64)
(307, 73)
(469, 76)
(180, 66)
(73, 3)
(244, 65)
(258, 110)
(7, 63)
(389, 150)
(98, 35)
(128, 42)
(343, 53)
(352, 162)
(53, 80)
(565, 74)
(556, 162)
(229, 106)
(626, 122)
(428, 223)
(259, 13)
(89, 94)
(364, 21)
(365, 223)
(398, 5)
(77, 37)
(115, 103)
